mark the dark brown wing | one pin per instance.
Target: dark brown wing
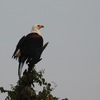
(19, 45)
(32, 45)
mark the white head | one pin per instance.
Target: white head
(36, 28)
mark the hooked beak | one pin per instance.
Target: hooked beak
(40, 26)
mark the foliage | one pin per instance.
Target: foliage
(25, 88)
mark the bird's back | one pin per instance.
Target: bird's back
(32, 44)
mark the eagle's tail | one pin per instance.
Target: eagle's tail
(20, 69)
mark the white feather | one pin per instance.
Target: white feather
(18, 53)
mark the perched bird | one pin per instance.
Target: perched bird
(29, 48)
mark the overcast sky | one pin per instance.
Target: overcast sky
(72, 58)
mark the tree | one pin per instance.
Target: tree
(25, 87)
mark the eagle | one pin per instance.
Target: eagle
(29, 48)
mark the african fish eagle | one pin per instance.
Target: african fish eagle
(29, 48)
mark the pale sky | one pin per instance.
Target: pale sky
(72, 58)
